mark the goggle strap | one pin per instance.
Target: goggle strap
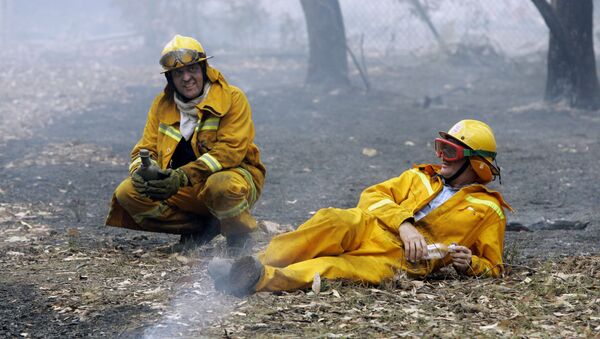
(481, 153)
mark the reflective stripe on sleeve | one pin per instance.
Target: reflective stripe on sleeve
(170, 131)
(488, 203)
(213, 164)
(425, 180)
(210, 124)
(379, 204)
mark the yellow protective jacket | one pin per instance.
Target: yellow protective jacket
(223, 138)
(473, 217)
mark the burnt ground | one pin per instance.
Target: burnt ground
(64, 274)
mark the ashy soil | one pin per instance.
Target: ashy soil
(64, 146)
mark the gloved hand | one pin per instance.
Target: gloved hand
(138, 183)
(164, 188)
(133, 168)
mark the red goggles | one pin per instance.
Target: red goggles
(450, 151)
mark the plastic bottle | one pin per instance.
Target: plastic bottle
(438, 251)
(148, 170)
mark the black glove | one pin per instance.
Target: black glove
(164, 188)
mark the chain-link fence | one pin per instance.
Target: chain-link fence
(387, 27)
(379, 29)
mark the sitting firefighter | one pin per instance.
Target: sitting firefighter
(445, 205)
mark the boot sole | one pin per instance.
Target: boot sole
(244, 275)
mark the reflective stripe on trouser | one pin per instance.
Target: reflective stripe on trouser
(339, 244)
(223, 191)
(229, 196)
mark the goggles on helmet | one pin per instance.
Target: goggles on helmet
(450, 151)
(181, 57)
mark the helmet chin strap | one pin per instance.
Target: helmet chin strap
(458, 172)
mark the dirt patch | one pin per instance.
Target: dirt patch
(558, 297)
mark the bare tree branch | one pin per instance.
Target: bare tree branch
(425, 17)
(363, 74)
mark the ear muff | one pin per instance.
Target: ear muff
(483, 170)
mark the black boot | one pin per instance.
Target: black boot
(239, 244)
(208, 229)
(243, 276)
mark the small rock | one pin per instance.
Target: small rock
(370, 152)
(559, 225)
(514, 226)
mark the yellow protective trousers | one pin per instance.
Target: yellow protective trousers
(227, 195)
(336, 243)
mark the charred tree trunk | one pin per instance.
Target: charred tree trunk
(327, 62)
(571, 60)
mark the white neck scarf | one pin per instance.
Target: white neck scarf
(188, 113)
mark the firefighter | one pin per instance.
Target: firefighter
(392, 226)
(199, 132)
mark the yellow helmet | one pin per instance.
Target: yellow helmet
(181, 51)
(479, 137)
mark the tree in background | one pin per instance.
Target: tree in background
(245, 19)
(290, 33)
(571, 60)
(327, 62)
(237, 23)
(151, 18)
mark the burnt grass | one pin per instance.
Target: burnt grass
(64, 274)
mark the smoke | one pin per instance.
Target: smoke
(192, 312)
(195, 307)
